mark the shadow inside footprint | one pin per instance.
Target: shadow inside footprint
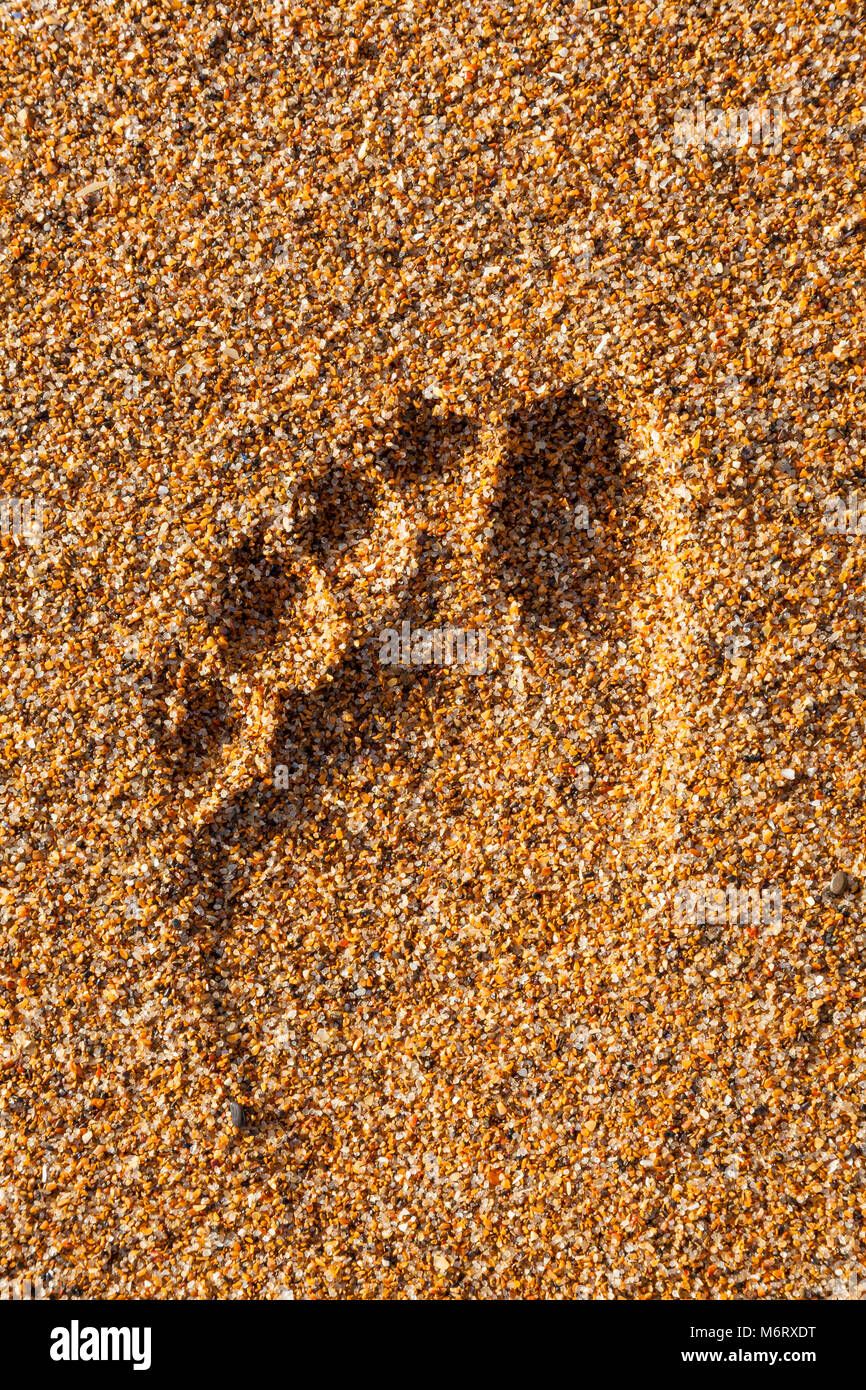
(562, 492)
(334, 514)
(252, 593)
(206, 726)
(427, 448)
(188, 714)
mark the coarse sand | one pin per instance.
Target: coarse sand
(322, 977)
